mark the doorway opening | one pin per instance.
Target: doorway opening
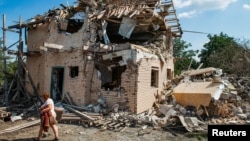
(57, 76)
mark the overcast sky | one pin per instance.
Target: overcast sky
(231, 17)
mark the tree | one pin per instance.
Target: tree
(183, 56)
(212, 49)
(225, 52)
(11, 67)
(241, 59)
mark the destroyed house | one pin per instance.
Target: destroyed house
(119, 51)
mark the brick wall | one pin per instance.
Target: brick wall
(41, 68)
(126, 97)
(136, 91)
(146, 93)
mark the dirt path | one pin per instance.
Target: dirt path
(73, 132)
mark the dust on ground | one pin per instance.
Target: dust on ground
(79, 132)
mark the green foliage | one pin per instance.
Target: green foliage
(226, 53)
(10, 68)
(183, 56)
(217, 44)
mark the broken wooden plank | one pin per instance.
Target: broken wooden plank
(207, 114)
(51, 45)
(24, 125)
(4, 114)
(118, 125)
(75, 107)
(79, 113)
(102, 123)
(111, 124)
(31, 80)
(67, 98)
(123, 129)
(71, 118)
(3, 108)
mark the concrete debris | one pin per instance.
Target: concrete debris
(15, 118)
(117, 67)
(197, 93)
(227, 109)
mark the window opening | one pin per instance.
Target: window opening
(154, 77)
(74, 71)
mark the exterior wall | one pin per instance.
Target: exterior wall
(129, 79)
(136, 91)
(126, 97)
(74, 40)
(35, 67)
(146, 93)
(49, 32)
(37, 36)
(170, 66)
(76, 87)
(40, 66)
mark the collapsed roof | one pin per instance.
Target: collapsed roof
(142, 17)
(96, 28)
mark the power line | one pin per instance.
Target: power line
(196, 32)
(199, 32)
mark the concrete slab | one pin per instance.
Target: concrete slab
(197, 93)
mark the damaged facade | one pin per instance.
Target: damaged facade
(118, 51)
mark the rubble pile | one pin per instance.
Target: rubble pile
(229, 108)
(96, 41)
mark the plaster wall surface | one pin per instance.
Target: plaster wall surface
(35, 68)
(37, 36)
(68, 40)
(49, 32)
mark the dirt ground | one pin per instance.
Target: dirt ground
(77, 132)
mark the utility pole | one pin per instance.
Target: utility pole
(5, 62)
(20, 57)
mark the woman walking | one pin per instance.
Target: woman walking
(48, 117)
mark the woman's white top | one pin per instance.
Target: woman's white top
(50, 101)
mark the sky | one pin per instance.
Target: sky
(25, 9)
(231, 17)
